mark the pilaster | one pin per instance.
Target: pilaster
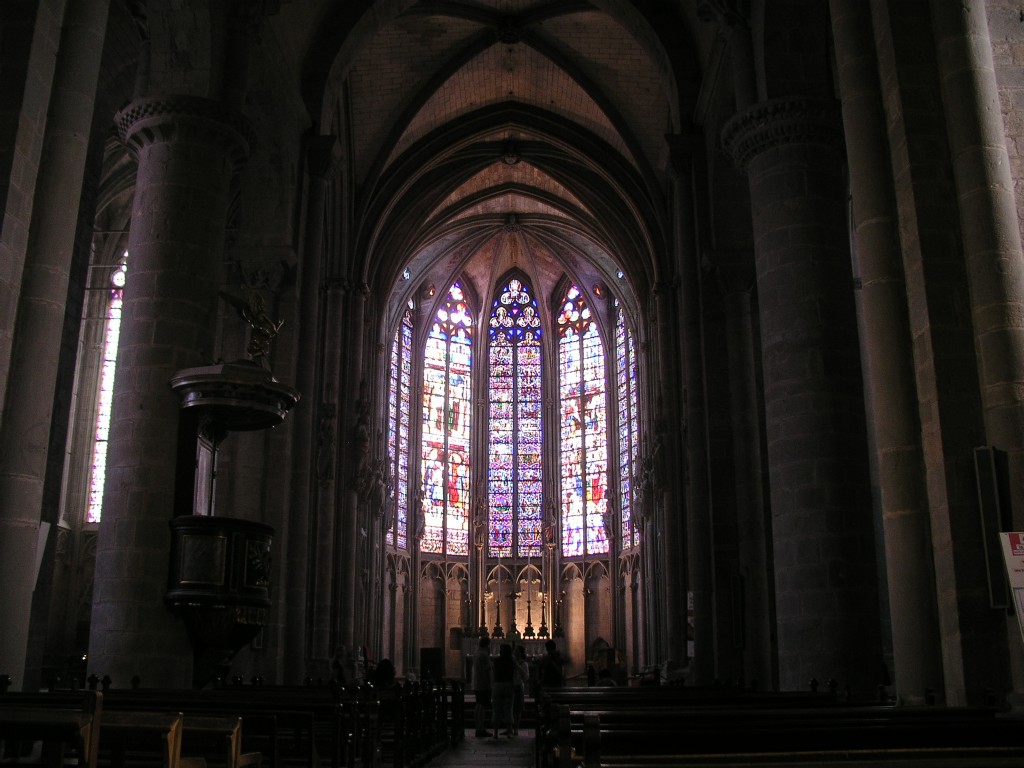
(313, 426)
(733, 271)
(699, 537)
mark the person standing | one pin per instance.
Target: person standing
(550, 667)
(504, 676)
(519, 683)
(482, 683)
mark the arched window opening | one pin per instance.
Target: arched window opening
(399, 410)
(446, 428)
(514, 478)
(105, 396)
(628, 399)
(583, 435)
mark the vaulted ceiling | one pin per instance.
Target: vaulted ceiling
(487, 134)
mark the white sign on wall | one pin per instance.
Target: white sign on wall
(1013, 555)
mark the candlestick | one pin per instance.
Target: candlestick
(498, 631)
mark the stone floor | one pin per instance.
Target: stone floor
(484, 752)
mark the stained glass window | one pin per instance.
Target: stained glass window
(399, 409)
(583, 430)
(446, 428)
(98, 471)
(628, 397)
(514, 478)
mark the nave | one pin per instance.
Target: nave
(488, 752)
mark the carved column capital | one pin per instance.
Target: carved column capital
(158, 119)
(779, 122)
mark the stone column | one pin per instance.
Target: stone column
(822, 528)
(28, 407)
(358, 458)
(322, 158)
(700, 539)
(187, 148)
(990, 224)
(28, 60)
(670, 479)
(735, 275)
(894, 427)
(323, 571)
(992, 242)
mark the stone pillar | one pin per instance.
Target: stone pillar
(992, 244)
(700, 539)
(323, 158)
(358, 458)
(735, 275)
(187, 148)
(894, 427)
(28, 406)
(670, 480)
(822, 528)
(323, 572)
(28, 60)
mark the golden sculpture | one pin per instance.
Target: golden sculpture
(264, 330)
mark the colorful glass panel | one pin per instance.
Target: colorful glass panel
(583, 430)
(628, 396)
(105, 399)
(514, 478)
(399, 406)
(446, 428)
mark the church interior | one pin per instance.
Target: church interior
(686, 333)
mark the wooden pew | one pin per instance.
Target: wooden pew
(72, 727)
(309, 726)
(415, 722)
(135, 738)
(630, 738)
(215, 740)
(281, 732)
(580, 700)
(283, 736)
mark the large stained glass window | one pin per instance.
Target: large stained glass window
(514, 477)
(583, 432)
(446, 423)
(112, 333)
(399, 409)
(626, 390)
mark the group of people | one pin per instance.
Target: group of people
(501, 684)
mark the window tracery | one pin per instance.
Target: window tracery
(515, 477)
(105, 397)
(399, 414)
(628, 403)
(583, 447)
(446, 427)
